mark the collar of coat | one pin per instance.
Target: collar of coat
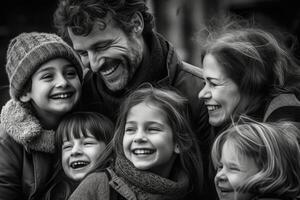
(22, 125)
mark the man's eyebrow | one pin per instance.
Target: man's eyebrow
(104, 42)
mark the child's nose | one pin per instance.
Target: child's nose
(140, 136)
(61, 81)
(76, 150)
(221, 176)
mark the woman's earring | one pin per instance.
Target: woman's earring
(177, 149)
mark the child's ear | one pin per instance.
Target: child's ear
(176, 148)
(25, 97)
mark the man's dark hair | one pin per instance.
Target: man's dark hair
(81, 15)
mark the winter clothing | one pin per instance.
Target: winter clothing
(270, 197)
(26, 150)
(4, 94)
(127, 182)
(60, 187)
(28, 51)
(283, 107)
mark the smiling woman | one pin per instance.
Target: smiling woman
(221, 94)
(245, 69)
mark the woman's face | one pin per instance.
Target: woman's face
(220, 94)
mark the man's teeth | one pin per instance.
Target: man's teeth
(142, 151)
(109, 70)
(62, 96)
(79, 164)
(212, 108)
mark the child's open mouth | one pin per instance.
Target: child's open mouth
(79, 164)
(143, 151)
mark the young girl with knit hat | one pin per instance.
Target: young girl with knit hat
(154, 154)
(45, 83)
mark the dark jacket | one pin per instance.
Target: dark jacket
(270, 197)
(4, 95)
(283, 107)
(26, 151)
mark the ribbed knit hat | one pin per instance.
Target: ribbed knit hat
(28, 51)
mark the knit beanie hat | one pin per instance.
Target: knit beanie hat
(28, 51)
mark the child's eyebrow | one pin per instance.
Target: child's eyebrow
(130, 122)
(69, 65)
(45, 69)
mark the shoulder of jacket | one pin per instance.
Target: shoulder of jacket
(192, 69)
(6, 138)
(98, 177)
(279, 101)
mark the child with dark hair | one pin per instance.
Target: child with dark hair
(81, 137)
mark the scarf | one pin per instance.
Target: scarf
(20, 123)
(147, 185)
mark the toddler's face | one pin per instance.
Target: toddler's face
(148, 139)
(80, 154)
(55, 88)
(233, 169)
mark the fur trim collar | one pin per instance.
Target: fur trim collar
(21, 124)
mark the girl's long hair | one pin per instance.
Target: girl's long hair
(176, 110)
(275, 149)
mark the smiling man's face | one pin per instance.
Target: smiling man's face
(110, 52)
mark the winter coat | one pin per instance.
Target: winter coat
(126, 182)
(283, 107)
(270, 197)
(26, 150)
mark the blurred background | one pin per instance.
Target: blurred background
(178, 20)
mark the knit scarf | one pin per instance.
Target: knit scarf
(147, 185)
(21, 124)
